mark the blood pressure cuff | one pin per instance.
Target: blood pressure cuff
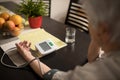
(49, 74)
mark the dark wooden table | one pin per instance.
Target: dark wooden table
(64, 59)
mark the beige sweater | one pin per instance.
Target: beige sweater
(105, 68)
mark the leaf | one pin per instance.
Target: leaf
(31, 8)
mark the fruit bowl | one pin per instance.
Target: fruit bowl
(10, 25)
(12, 33)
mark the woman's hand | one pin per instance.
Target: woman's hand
(93, 51)
(24, 50)
(39, 67)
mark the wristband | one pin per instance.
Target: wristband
(49, 74)
(33, 60)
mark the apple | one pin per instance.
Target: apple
(9, 25)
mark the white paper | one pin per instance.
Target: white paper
(9, 45)
(12, 53)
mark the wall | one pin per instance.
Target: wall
(58, 9)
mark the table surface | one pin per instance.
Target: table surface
(64, 59)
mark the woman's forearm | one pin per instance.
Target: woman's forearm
(39, 67)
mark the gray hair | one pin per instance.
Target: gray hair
(107, 11)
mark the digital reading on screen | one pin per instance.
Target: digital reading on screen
(46, 47)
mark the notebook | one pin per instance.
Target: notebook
(33, 36)
(38, 35)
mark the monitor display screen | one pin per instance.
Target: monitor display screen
(44, 46)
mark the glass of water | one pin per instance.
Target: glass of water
(70, 35)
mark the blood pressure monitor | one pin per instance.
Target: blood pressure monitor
(46, 47)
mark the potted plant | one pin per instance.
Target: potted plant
(33, 10)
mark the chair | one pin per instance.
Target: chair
(48, 3)
(76, 16)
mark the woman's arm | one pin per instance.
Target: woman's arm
(39, 67)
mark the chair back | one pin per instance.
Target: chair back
(48, 3)
(76, 15)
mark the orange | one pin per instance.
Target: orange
(15, 32)
(21, 26)
(5, 15)
(2, 21)
(17, 19)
